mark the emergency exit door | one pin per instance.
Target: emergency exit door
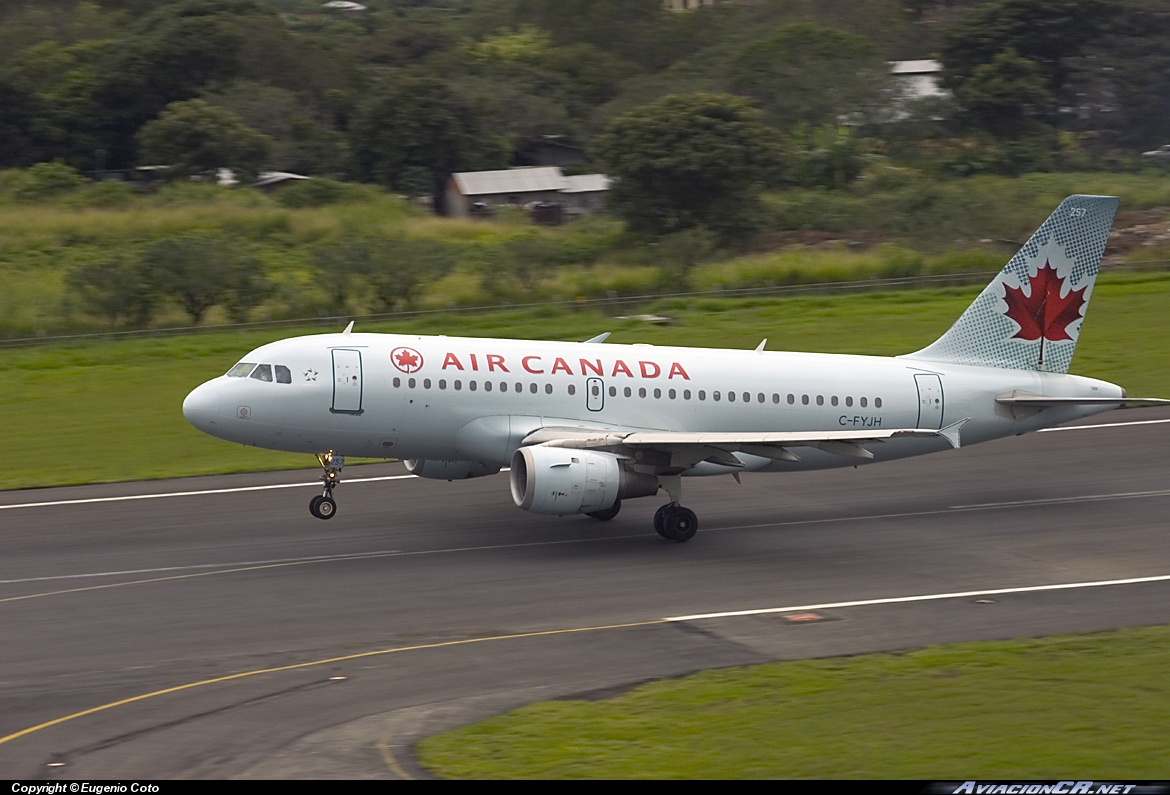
(594, 394)
(930, 401)
(347, 382)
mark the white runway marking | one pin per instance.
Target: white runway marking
(1125, 495)
(923, 598)
(232, 564)
(1102, 425)
(126, 497)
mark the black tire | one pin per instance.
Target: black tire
(313, 503)
(681, 524)
(608, 513)
(326, 508)
(660, 519)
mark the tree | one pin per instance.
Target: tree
(194, 137)
(419, 124)
(806, 73)
(246, 285)
(399, 269)
(1048, 32)
(689, 160)
(193, 270)
(114, 289)
(1008, 96)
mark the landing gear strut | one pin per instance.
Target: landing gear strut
(324, 506)
(672, 521)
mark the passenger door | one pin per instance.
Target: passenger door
(594, 394)
(930, 401)
(347, 382)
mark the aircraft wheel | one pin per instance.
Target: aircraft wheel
(608, 513)
(660, 519)
(313, 503)
(326, 508)
(681, 524)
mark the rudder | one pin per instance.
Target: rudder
(1030, 316)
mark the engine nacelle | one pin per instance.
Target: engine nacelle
(562, 480)
(449, 470)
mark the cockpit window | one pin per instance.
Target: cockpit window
(241, 370)
(263, 372)
(283, 374)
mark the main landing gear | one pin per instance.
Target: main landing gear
(672, 521)
(676, 523)
(324, 506)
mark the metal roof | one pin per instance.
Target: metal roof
(511, 180)
(586, 183)
(924, 67)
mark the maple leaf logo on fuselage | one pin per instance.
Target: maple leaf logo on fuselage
(408, 360)
(1044, 315)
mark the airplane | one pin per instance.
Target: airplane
(583, 426)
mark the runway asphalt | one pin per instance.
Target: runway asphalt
(223, 632)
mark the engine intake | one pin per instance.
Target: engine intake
(561, 480)
(449, 470)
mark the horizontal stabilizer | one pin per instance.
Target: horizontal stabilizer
(1040, 401)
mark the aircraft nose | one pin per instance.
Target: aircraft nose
(201, 408)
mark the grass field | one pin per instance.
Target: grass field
(111, 411)
(1093, 706)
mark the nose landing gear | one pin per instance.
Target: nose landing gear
(324, 506)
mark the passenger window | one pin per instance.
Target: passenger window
(519, 388)
(283, 374)
(760, 397)
(263, 372)
(791, 399)
(833, 400)
(487, 386)
(702, 394)
(671, 394)
(686, 394)
(848, 401)
(532, 388)
(626, 391)
(471, 385)
(458, 384)
(442, 383)
(410, 383)
(877, 403)
(775, 397)
(426, 383)
(863, 402)
(730, 396)
(613, 391)
(241, 370)
(804, 400)
(642, 392)
(573, 390)
(397, 382)
(548, 389)
(657, 393)
(820, 400)
(715, 396)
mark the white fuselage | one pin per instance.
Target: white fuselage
(469, 399)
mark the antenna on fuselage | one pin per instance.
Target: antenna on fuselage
(602, 337)
(763, 342)
(348, 328)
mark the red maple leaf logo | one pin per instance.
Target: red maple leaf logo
(1044, 315)
(407, 360)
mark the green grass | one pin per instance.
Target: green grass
(1094, 706)
(111, 410)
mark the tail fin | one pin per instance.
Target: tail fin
(1029, 317)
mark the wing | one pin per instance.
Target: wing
(681, 450)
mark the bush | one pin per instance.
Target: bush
(317, 192)
(44, 181)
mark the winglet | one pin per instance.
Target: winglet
(951, 432)
(602, 337)
(348, 328)
(763, 342)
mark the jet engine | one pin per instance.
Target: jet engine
(449, 470)
(562, 480)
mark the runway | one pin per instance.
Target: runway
(209, 627)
